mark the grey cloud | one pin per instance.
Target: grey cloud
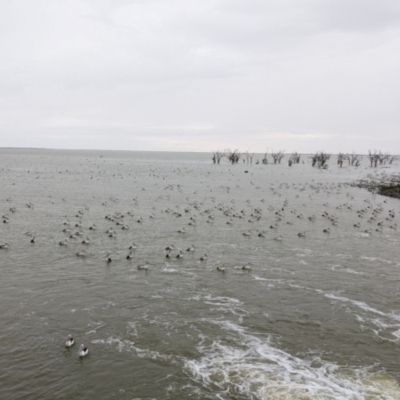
(248, 70)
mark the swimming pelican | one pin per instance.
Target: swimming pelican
(246, 267)
(69, 341)
(221, 268)
(129, 256)
(203, 258)
(83, 351)
(4, 246)
(108, 258)
(143, 267)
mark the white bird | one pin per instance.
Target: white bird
(203, 258)
(69, 341)
(83, 351)
(221, 268)
(143, 267)
(179, 255)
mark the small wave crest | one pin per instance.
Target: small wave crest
(255, 369)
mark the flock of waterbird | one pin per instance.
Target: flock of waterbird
(267, 218)
(79, 234)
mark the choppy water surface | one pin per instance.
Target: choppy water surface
(316, 317)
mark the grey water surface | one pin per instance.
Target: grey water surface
(317, 315)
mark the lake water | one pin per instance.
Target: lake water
(316, 317)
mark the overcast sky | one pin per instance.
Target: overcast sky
(183, 75)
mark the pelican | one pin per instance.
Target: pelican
(301, 234)
(108, 258)
(191, 248)
(69, 341)
(179, 255)
(143, 267)
(221, 268)
(246, 267)
(33, 239)
(129, 256)
(83, 351)
(81, 253)
(203, 258)
(4, 246)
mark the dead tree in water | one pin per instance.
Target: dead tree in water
(217, 156)
(277, 157)
(249, 157)
(383, 158)
(265, 159)
(320, 159)
(294, 159)
(373, 157)
(233, 156)
(354, 159)
(341, 157)
(376, 157)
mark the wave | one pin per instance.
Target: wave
(253, 368)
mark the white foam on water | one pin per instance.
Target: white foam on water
(124, 345)
(258, 278)
(362, 235)
(388, 323)
(108, 305)
(373, 259)
(255, 369)
(121, 344)
(351, 271)
(132, 329)
(169, 269)
(360, 304)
